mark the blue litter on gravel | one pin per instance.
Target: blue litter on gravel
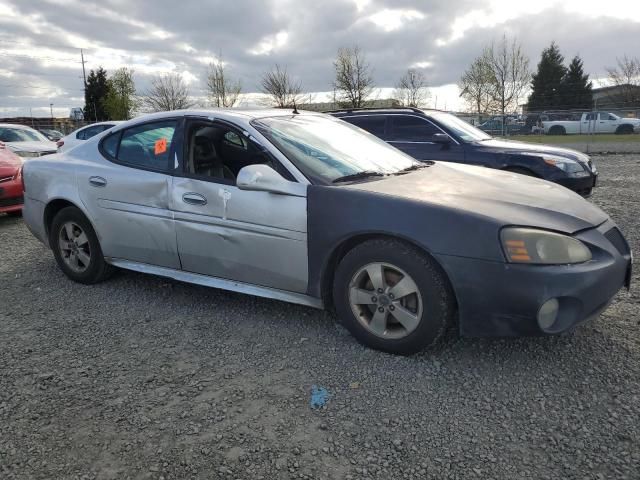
(319, 396)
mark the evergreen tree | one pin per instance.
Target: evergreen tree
(95, 95)
(546, 82)
(576, 87)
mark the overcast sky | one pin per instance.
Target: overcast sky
(40, 40)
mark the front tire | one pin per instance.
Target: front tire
(393, 297)
(521, 171)
(76, 248)
(624, 130)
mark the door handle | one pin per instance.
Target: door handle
(97, 181)
(194, 199)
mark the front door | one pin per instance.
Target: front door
(222, 231)
(413, 135)
(126, 193)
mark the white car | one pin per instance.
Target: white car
(25, 141)
(84, 133)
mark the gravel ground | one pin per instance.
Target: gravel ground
(141, 377)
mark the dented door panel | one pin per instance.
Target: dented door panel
(130, 212)
(253, 237)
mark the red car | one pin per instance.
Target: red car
(10, 182)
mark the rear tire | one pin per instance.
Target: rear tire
(76, 248)
(557, 130)
(393, 297)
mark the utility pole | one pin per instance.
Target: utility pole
(84, 75)
(84, 79)
(51, 109)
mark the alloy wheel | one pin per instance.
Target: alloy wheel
(74, 247)
(385, 300)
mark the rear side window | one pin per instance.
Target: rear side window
(146, 146)
(406, 128)
(89, 132)
(110, 144)
(371, 123)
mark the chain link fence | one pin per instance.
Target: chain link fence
(612, 129)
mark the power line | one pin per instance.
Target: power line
(25, 44)
(36, 57)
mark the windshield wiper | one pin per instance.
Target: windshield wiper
(415, 166)
(358, 176)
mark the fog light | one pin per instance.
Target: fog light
(548, 313)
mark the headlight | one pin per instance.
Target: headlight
(528, 245)
(23, 154)
(571, 167)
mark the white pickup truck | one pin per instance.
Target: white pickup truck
(593, 122)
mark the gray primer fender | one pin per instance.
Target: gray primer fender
(337, 214)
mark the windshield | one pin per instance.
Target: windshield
(326, 149)
(460, 128)
(20, 135)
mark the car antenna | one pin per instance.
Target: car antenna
(295, 109)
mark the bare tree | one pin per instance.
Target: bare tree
(223, 90)
(283, 90)
(354, 81)
(626, 76)
(167, 92)
(509, 72)
(476, 86)
(412, 89)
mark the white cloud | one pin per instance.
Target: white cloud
(268, 44)
(391, 19)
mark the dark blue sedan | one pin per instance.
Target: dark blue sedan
(436, 135)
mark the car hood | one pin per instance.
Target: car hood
(511, 146)
(501, 197)
(33, 146)
(9, 163)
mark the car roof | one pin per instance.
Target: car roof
(382, 111)
(219, 113)
(16, 125)
(106, 122)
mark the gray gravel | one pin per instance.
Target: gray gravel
(141, 377)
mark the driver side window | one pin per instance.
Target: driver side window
(217, 152)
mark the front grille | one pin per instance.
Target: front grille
(617, 239)
(5, 179)
(10, 202)
(49, 152)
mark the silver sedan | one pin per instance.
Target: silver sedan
(305, 208)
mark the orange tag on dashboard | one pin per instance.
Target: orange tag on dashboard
(161, 146)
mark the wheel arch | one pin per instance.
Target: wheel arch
(349, 243)
(560, 129)
(56, 205)
(625, 128)
(521, 169)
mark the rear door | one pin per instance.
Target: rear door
(126, 192)
(607, 123)
(374, 124)
(414, 135)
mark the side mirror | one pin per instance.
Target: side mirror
(263, 178)
(440, 138)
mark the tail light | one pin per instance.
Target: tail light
(22, 178)
(60, 143)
